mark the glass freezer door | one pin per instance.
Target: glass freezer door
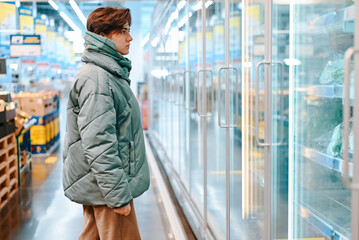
(320, 204)
(253, 156)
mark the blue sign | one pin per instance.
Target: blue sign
(25, 45)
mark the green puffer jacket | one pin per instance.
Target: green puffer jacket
(104, 157)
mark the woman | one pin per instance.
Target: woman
(105, 164)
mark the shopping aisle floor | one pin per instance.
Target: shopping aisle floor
(39, 210)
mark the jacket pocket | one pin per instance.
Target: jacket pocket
(132, 161)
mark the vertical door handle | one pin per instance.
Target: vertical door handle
(165, 92)
(172, 98)
(162, 88)
(281, 103)
(346, 119)
(256, 111)
(189, 90)
(227, 125)
(204, 94)
(178, 90)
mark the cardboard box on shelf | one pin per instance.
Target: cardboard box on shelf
(37, 106)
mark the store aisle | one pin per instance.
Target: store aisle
(39, 209)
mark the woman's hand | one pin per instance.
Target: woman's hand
(124, 210)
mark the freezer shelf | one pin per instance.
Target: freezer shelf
(323, 159)
(328, 91)
(328, 211)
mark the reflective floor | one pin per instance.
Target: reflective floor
(39, 209)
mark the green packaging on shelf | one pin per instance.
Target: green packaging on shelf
(335, 146)
(333, 71)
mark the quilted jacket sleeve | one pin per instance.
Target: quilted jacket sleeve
(97, 126)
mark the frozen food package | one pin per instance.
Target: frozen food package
(333, 71)
(335, 144)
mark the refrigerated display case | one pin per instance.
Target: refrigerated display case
(321, 204)
(250, 114)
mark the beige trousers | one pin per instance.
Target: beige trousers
(102, 223)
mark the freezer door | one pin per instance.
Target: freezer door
(321, 205)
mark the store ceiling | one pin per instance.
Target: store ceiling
(43, 7)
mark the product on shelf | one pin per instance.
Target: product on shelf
(333, 71)
(335, 146)
(20, 120)
(43, 107)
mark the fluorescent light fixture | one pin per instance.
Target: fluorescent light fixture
(208, 3)
(182, 22)
(167, 27)
(158, 73)
(155, 42)
(70, 22)
(78, 11)
(197, 7)
(145, 40)
(181, 5)
(53, 5)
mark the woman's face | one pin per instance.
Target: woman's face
(122, 39)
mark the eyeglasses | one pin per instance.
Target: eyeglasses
(125, 31)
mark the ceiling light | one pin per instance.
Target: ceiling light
(54, 5)
(78, 11)
(181, 4)
(208, 3)
(70, 22)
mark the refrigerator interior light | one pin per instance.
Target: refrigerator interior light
(292, 62)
